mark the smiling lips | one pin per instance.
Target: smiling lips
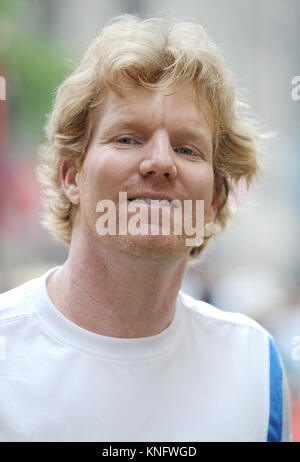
(156, 199)
(153, 202)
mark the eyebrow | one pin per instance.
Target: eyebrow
(120, 125)
(194, 135)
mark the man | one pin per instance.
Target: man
(106, 347)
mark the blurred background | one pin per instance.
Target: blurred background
(254, 266)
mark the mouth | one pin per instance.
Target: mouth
(154, 202)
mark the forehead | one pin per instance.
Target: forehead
(172, 107)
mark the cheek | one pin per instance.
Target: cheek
(107, 169)
(201, 183)
(99, 173)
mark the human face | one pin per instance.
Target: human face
(147, 142)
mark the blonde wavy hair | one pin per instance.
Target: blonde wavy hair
(155, 54)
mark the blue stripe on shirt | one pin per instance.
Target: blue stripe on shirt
(275, 418)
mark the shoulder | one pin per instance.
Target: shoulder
(244, 333)
(255, 346)
(206, 312)
(230, 336)
(18, 302)
(14, 303)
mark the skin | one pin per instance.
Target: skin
(126, 286)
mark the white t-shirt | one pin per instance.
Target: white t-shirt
(209, 376)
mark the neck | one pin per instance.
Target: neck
(116, 294)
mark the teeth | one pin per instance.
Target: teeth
(162, 202)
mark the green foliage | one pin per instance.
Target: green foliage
(37, 69)
(35, 65)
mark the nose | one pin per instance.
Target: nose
(159, 159)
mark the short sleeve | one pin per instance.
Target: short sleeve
(279, 398)
(286, 417)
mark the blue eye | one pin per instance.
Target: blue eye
(186, 151)
(125, 140)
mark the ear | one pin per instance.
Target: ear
(70, 181)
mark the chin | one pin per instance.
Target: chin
(157, 247)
